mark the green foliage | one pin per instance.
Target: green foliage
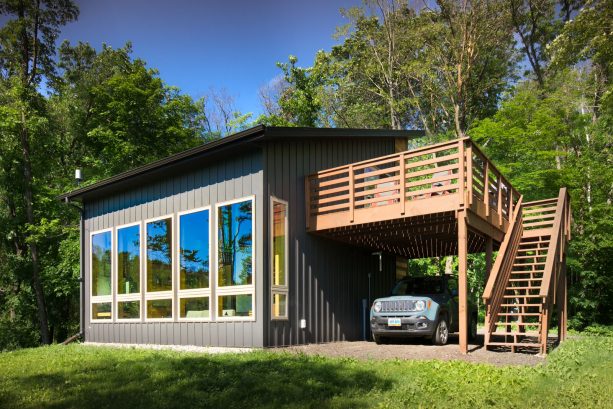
(300, 103)
(400, 66)
(578, 373)
(103, 112)
(544, 138)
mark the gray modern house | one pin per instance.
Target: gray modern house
(212, 246)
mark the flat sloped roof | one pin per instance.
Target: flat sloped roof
(257, 133)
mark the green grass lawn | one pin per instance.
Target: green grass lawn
(578, 374)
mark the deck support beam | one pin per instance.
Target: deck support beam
(462, 280)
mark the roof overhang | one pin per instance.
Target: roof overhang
(210, 150)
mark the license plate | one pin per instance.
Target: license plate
(394, 322)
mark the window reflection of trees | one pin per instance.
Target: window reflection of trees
(159, 255)
(194, 250)
(101, 264)
(235, 244)
(128, 260)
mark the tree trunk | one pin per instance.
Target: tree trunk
(37, 285)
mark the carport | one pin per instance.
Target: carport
(428, 202)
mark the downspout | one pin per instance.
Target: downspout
(81, 333)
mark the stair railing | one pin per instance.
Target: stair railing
(493, 295)
(560, 234)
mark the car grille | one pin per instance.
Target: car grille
(397, 306)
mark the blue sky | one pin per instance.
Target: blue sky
(201, 44)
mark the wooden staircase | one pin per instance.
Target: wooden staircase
(529, 278)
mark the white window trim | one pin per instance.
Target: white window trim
(278, 289)
(132, 296)
(100, 299)
(197, 292)
(160, 295)
(240, 289)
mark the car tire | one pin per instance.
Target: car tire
(378, 339)
(472, 334)
(441, 332)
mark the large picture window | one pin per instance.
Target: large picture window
(101, 275)
(235, 243)
(159, 268)
(194, 265)
(128, 272)
(194, 250)
(235, 253)
(278, 258)
(128, 260)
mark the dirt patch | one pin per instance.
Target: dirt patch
(416, 349)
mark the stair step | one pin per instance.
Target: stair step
(516, 314)
(516, 333)
(525, 279)
(538, 263)
(523, 288)
(526, 271)
(521, 296)
(523, 324)
(530, 257)
(520, 305)
(525, 241)
(514, 344)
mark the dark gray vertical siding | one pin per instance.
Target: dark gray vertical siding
(232, 178)
(327, 280)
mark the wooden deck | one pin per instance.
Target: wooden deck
(449, 199)
(407, 203)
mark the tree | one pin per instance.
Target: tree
(27, 48)
(542, 141)
(297, 100)
(220, 116)
(117, 113)
(401, 67)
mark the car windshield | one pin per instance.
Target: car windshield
(418, 286)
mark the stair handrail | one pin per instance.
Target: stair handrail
(557, 239)
(515, 229)
(493, 295)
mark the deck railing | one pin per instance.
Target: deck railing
(454, 173)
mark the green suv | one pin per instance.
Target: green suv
(420, 307)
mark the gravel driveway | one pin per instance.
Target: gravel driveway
(415, 349)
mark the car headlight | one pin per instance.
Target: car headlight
(420, 305)
(377, 306)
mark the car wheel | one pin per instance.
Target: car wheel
(473, 328)
(378, 339)
(441, 333)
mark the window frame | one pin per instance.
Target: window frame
(278, 289)
(197, 292)
(100, 299)
(117, 298)
(159, 295)
(248, 289)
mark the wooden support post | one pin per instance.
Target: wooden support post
(351, 193)
(462, 173)
(486, 186)
(564, 297)
(469, 173)
(462, 280)
(499, 201)
(544, 327)
(403, 182)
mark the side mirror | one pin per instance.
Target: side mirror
(454, 293)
